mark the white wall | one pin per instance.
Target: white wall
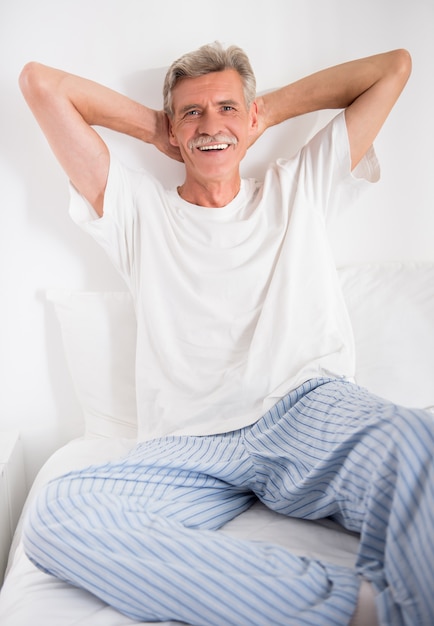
(126, 44)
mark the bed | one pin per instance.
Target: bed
(392, 310)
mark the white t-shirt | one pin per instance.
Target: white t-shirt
(235, 305)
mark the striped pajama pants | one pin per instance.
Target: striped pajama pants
(140, 533)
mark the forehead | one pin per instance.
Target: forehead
(214, 87)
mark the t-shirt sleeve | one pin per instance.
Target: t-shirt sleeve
(115, 230)
(325, 169)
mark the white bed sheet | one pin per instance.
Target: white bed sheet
(29, 596)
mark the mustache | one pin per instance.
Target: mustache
(204, 140)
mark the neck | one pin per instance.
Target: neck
(210, 194)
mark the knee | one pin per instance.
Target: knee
(414, 428)
(42, 527)
(411, 446)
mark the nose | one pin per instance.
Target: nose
(210, 123)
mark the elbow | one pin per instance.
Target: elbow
(27, 76)
(402, 63)
(32, 80)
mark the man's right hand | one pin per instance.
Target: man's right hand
(161, 139)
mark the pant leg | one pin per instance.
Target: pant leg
(137, 535)
(335, 450)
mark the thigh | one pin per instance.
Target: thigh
(199, 481)
(317, 450)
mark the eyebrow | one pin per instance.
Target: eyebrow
(189, 107)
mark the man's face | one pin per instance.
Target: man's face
(211, 124)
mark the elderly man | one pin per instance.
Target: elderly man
(245, 358)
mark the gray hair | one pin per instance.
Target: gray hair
(209, 58)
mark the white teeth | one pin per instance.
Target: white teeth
(219, 146)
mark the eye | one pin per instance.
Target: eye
(192, 113)
(228, 107)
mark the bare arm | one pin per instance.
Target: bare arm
(67, 106)
(367, 88)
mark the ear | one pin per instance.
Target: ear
(172, 138)
(256, 127)
(253, 118)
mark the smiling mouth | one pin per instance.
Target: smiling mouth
(220, 146)
(212, 143)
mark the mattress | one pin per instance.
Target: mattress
(29, 596)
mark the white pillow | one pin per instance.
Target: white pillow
(392, 311)
(391, 307)
(99, 338)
